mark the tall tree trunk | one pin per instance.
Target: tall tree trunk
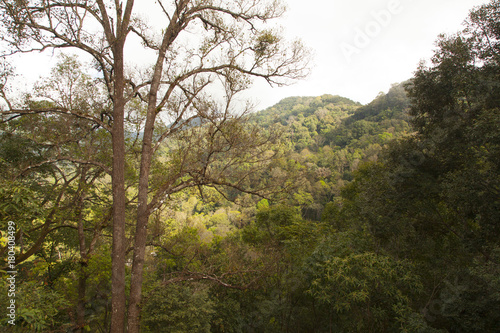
(140, 233)
(146, 157)
(82, 275)
(142, 218)
(80, 307)
(118, 298)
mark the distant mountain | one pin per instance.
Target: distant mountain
(338, 121)
(307, 106)
(384, 105)
(332, 135)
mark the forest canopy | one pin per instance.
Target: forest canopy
(136, 202)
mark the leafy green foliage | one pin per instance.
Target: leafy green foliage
(433, 197)
(178, 308)
(387, 220)
(37, 307)
(368, 292)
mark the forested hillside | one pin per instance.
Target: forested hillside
(318, 214)
(330, 136)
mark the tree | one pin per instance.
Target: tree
(179, 308)
(232, 45)
(455, 106)
(433, 197)
(54, 164)
(368, 292)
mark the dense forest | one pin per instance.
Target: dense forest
(318, 214)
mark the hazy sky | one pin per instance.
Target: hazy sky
(361, 47)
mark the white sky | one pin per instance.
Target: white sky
(390, 55)
(360, 47)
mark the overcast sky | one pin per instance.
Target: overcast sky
(361, 47)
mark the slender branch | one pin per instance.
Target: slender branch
(15, 113)
(145, 40)
(70, 159)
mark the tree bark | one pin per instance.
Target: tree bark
(142, 209)
(118, 298)
(80, 307)
(82, 276)
(141, 231)
(143, 213)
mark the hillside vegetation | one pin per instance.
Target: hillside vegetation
(331, 135)
(318, 214)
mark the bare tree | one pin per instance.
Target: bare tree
(202, 47)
